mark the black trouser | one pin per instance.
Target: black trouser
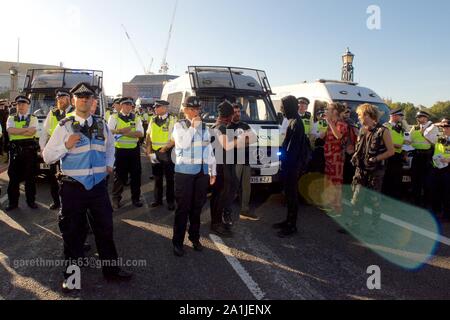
(54, 184)
(441, 191)
(349, 169)
(290, 180)
(128, 163)
(161, 170)
(393, 179)
(224, 192)
(76, 201)
(421, 166)
(191, 195)
(22, 167)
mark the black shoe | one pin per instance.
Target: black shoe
(197, 246)
(280, 225)
(287, 232)
(249, 216)
(156, 204)
(178, 251)
(33, 205)
(119, 276)
(87, 247)
(171, 207)
(11, 207)
(221, 231)
(55, 206)
(227, 219)
(138, 204)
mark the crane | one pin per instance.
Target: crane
(164, 65)
(146, 71)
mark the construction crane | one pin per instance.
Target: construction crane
(164, 65)
(146, 71)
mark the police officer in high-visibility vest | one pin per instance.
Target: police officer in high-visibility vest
(393, 179)
(58, 113)
(195, 170)
(127, 130)
(159, 146)
(305, 115)
(423, 138)
(23, 149)
(441, 173)
(85, 148)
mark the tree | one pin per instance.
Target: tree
(408, 108)
(4, 95)
(440, 110)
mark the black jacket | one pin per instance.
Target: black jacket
(294, 153)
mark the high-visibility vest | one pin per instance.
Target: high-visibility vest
(397, 137)
(306, 119)
(123, 142)
(107, 115)
(441, 148)
(191, 160)
(419, 142)
(55, 118)
(86, 162)
(161, 135)
(21, 125)
(322, 126)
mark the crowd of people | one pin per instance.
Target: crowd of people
(84, 149)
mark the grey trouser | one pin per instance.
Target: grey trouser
(243, 174)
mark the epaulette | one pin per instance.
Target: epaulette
(63, 122)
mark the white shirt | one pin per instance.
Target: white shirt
(183, 140)
(431, 132)
(56, 150)
(112, 124)
(11, 124)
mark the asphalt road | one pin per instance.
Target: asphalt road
(318, 263)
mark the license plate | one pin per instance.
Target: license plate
(406, 179)
(257, 180)
(44, 166)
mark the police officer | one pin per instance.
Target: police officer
(195, 170)
(23, 148)
(85, 148)
(303, 104)
(159, 148)
(392, 184)
(423, 138)
(127, 128)
(441, 173)
(51, 122)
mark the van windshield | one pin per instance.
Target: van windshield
(41, 104)
(257, 110)
(353, 105)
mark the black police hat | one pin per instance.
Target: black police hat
(126, 100)
(303, 99)
(193, 102)
(116, 101)
(397, 112)
(225, 109)
(62, 93)
(423, 114)
(22, 99)
(161, 103)
(445, 123)
(83, 89)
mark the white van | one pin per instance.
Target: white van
(323, 92)
(251, 88)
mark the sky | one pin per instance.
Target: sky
(406, 58)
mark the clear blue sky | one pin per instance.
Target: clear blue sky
(293, 40)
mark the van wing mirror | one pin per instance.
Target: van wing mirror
(280, 118)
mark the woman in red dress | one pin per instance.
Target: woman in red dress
(335, 143)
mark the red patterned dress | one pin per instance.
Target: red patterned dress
(334, 166)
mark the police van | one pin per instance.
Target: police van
(251, 88)
(40, 86)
